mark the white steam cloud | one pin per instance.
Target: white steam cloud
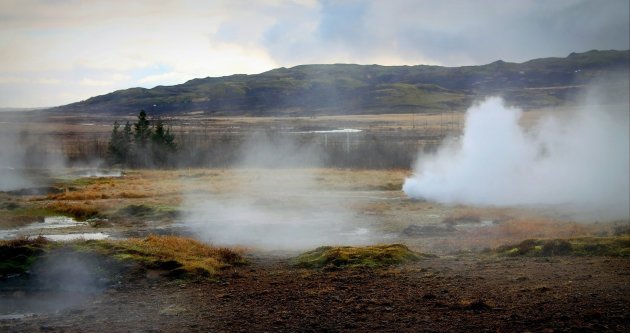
(25, 160)
(577, 162)
(274, 201)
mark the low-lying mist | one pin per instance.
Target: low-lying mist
(57, 281)
(575, 161)
(24, 160)
(273, 202)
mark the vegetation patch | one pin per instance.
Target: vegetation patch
(583, 246)
(146, 211)
(81, 211)
(17, 255)
(178, 256)
(9, 205)
(24, 215)
(136, 210)
(348, 256)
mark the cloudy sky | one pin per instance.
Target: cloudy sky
(54, 52)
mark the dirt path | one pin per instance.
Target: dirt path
(441, 294)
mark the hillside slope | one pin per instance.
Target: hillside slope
(364, 89)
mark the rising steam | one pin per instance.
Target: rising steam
(274, 201)
(577, 162)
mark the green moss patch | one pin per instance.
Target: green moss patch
(348, 256)
(17, 255)
(584, 246)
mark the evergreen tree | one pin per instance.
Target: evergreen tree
(142, 135)
(142, 130)
(127, 135)
(162, 144)
(169, 140)
(117, 149)
(142, 145)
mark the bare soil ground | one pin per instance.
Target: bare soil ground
(457, 294)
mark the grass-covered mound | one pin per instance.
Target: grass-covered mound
(178, 255)
(348, 256)
(584, 246)
(17, 255)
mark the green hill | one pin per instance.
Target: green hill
(364, 89)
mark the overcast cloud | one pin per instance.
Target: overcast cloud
(58, 52)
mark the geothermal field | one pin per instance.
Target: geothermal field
(314, 166)
(516, 220)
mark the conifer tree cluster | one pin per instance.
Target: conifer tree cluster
(145, 143)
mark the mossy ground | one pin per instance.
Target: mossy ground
(353, 257)
(17, 255)
(179, 255)
(583, 246)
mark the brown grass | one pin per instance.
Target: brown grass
(178, 253)
(79, 195)
(78, 210)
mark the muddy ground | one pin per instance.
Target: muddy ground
(450, 293)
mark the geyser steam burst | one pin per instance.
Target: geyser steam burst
(578, 164)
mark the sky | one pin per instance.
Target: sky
(55, 52)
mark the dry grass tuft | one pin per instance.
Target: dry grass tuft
(135, 194)
(38, 241)
(179, 255)
(79, 195)
(79, 210)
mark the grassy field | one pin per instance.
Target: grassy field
(360, 199)
(82, 139)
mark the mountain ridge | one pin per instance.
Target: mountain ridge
(332, 89)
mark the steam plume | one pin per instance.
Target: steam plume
(578, 163)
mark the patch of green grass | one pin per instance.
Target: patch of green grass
(584, 246)
(24, 215)
(348, 256)
(181, 257)
(17, 255)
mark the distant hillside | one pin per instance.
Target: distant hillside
(364, 89)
